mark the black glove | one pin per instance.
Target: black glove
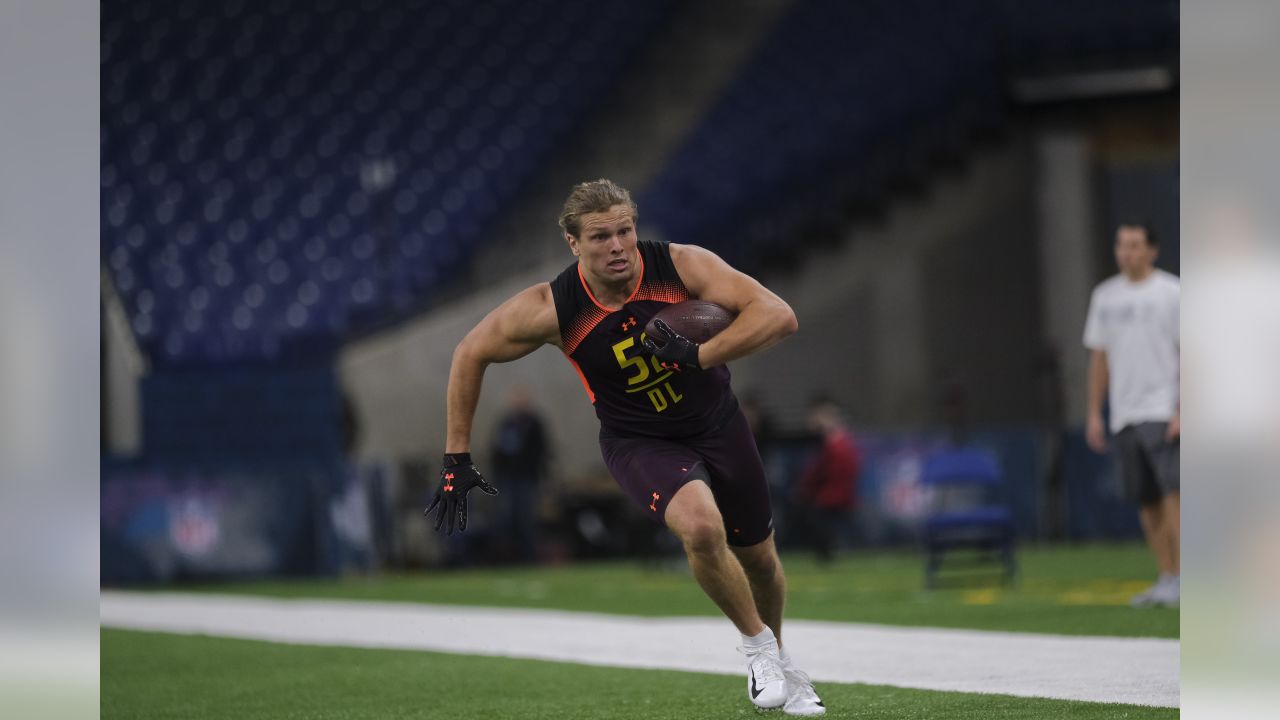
(457, 478)
(676, 352)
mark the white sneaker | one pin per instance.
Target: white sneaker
(1167, 592)
(1143, 599)
(1147, 598)
(766, 683)
(801, 697)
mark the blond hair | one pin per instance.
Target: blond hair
(595, 196)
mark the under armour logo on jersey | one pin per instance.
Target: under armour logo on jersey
(654, 505)
(628, 324)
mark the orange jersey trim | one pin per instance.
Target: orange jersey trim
(583, 378)
(591, 295)
(590, 317)
(669, 292)
(581, 327)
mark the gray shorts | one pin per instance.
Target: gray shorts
(1148, 462)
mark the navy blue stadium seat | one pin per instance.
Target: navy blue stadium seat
(1047, 35)
(842, 97)
(278, 176)
(833, 84)
(968, 508)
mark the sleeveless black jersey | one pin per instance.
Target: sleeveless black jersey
(633, 395)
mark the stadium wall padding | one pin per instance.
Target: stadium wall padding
(170, 521)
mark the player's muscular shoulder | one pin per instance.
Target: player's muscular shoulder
(517, 327)
(545, 321)
(710, 278)
(530, 316)
(691, 264)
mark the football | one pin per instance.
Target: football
(697, 320)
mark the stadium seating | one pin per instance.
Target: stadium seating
(842, 98)
(833, 86)
(278, 175)
(1046, 35)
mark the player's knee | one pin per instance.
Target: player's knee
(703, 536)
(762, 564)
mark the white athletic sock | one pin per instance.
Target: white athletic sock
(765, 637)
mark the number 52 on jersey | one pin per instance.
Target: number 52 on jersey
(658, 387)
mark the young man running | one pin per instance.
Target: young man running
(671, 432)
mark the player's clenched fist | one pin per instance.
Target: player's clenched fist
(457, 477)
(676, 352)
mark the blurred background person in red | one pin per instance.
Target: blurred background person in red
(825, 494)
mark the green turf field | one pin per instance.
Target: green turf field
(1071, 590)
(147, 675)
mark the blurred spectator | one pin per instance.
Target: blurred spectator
(765, 431)
(519, 466)
(826, 490)
(349, 423)
(953, 405)
(1132, 330)
(761, 421)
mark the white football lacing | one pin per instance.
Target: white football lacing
(765, 672)
(801, 685)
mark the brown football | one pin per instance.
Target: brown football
(697, 320)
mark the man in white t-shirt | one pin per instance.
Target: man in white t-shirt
(1132, 331)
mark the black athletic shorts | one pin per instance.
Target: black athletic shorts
(1148, 462)
(651, 470)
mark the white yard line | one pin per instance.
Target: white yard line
(1100, 669)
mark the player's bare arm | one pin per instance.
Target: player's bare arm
(517, 327)
(763, 319)
(1099, 375)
